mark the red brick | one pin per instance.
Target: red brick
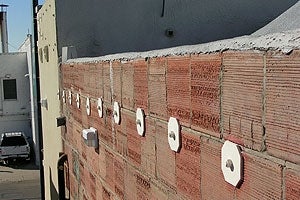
(75, 112)
(133, 141)
(188, 167)
(109, 175)
(130, 183)
(106, 194)
(262, 179)
(178, 89)
(282, 105)
(90, 189)
(102, 163)
(205, 99)
(143, 186)
(242, 98)
(292, 184)
(119, 175)
(165, 156)
(98, 87)
(91, 85)
(213, 185)
(157, 88)
(141, 84)
(106, 135)
(79, 139)
(99, 189)
(83, 175)
(107, 96)
(128, 86)
(117, 81)
(148, 148)
(139, 186)
(121, 136)
(93, 159)
(94, 119)
(157, 193)
(74, 76)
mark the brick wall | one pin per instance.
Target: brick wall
(248, 97)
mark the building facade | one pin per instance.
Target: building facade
(14, 94)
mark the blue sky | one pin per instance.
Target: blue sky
(19, 21)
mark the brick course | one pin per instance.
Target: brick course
(248, 97)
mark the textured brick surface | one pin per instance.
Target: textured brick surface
(242, 88)
(106, 135)
(213, 185)
(209, 94)
(178, 89)
(205, 70)
(165, 156)
(128, 86)
(148, 148)
(157, 88)
(140, 78)
(262, 179)
(130, 182)
(119, 175)
(92, 83)
(116, 74)
(120, 137)
(133, 141)
(188, 167)
(109, 175)
(292, 184)
(107, 96)
(282, 105)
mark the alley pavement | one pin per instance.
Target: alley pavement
(19, 181)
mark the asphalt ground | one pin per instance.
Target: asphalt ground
(19, 181)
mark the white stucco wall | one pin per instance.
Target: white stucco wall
(27, 48)
(49, 84)
(99, 27)
(15, 114)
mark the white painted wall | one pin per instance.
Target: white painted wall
(15, 114)
(49, 82)
(27, 47)
(98, 27)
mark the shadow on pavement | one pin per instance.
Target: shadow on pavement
(25, 165)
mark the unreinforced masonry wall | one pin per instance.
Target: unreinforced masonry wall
(250, 97)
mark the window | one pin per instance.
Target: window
(10, 89)
(13, 141)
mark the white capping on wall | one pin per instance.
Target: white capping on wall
(232, 163)
(100, 107)
(116, 113)
(68, 53)
(88, 106)
(140, 121)
(174, 134)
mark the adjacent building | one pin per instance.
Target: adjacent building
(14, 94)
